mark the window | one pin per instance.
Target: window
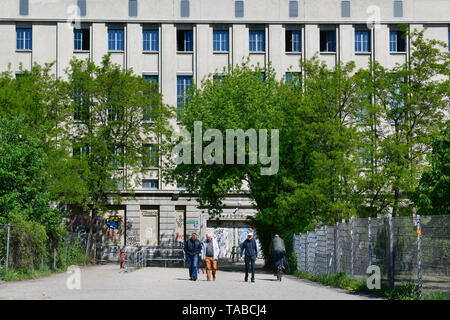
(293, 41)
(150, 40)
(345, 9)
(220, 40)
(239, 9)
(115, 113)
(79, 151)
(397, 41)
(81, 103)
(183, 84)
(82, 6)
(398, 8)
(293, 78)
(118, 154)
(257, 41)
(150, 156)
(184, 8)
(24, 37)
(218, 77)
(132, 8)
(293, 8)
(115, 39)
(362, 41)
(81, 39)
(397, 96)
(449, 40)
(154, 78)
(151, 184)
(24, 7)
(185, 41)
(327, 41)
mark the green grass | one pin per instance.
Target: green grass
(15, 275)
(342, 281)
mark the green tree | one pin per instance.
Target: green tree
(406, 111)
(23, 180)
(114, 112)
(431, 195)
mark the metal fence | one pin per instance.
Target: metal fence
(71, 250)
(406, 249)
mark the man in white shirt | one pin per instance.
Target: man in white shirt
(210, 253)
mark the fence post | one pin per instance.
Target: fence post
(66, 247)
(307, 252)
(326, 249)
(87, 247)
(7, 245)
(54, 258)
(419, 257)
(369, 236)
(390, 242)
(336, 248)
(352, 247)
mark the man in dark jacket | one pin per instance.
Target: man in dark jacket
(193, 247)
(251, 251)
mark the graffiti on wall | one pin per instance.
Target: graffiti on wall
(229, 236)
(243, 233)
(221, 236)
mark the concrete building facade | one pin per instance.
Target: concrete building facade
(177, 42)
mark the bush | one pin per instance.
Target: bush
(27, 244)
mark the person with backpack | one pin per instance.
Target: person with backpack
(192, 248)
(279, 251)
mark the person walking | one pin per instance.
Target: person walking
(279, 251)
(210, 254)
(251, 251)
(192, 248)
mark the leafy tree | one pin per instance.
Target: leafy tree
(316, 135)
(431, 195)
(114, 113)
(38, 97)
(23, 180)
(407, 109)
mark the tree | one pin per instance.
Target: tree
(114, 113)
(431, 195)
(23, 180)
(38, 97)
(316, 138)
(407, 110)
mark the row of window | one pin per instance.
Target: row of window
(150, 160)
(185, 40)
(293, 8)
(183, 85)
(150, 155)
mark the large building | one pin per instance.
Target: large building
(177, 42)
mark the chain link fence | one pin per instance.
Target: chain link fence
(25, 255)
(406, 249)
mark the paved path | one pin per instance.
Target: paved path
(108, 282)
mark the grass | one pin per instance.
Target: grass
(342, 281)
(15, 275)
